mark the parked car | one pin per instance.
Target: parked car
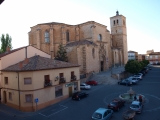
(102, 114)
(137, 76)
(79, 95)
(116, 104)
(136, 106)
(84, 86)
(125, 82)
(134, 80)
(92, 82)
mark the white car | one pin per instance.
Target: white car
(84, 86)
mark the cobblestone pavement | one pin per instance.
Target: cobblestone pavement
(105, 76)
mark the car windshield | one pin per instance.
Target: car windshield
(97, 115)
(114, 103)
(134, 106)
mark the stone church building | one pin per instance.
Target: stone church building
(89, 44)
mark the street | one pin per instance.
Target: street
(100, 96)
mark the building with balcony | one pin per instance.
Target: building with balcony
(132, 55)
(141, 57)
(154, 57)
(38, 82)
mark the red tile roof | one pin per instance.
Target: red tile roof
(39, 63)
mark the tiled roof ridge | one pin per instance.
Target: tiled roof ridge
(81, 42)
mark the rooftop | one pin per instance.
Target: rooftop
(37, 62)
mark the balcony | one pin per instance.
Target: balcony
(47, 83)
(62, 80)
(73, 78)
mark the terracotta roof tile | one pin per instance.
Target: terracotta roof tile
(39, 63)
(81, 42)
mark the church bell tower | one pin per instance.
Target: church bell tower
(119, 37)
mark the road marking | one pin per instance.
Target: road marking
(54, 112)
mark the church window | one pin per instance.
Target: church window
(46, 37)
(114, 22)
(93, 53)
(99, 37)
(116, 31)
(67, 36)
(123, 22)
(117, 21)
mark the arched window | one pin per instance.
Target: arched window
(67, 36)
(99, 37)
(114, 22)
(93, 53)
(46, 37)
(117, 21)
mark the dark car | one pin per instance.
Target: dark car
(116, 104)
(92, 82)
(125, 82)
(79, 95)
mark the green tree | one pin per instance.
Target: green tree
(133, 66)
(142, 64)
(6, 41)
(146, 62)
(61, 54)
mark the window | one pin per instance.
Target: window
(123, 22)
(93, 53)
(58, 91)
(27, 81)
(6, 80)
(150, 56)
(28, 97)
(156, 57)
(117, 21)
(114, 22)
(67, 36)
(10, 96)
(46, 37)
(99, 37)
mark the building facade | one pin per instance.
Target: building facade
(89, 44)
(153, 58)
(132, 55)
(38, 82)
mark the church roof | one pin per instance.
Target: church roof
(81, 42)
(37, 62)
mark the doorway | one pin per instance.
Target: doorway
(70, 91)
(4, 97)
(102, 63)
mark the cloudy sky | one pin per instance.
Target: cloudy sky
(142, 18)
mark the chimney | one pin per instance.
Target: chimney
(8, 49)
(20, 65)
(26, 61)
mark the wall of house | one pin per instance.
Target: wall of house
(37, 88)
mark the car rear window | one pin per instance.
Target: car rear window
(97, 115)
(134, 106)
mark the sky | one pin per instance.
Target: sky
(142, 18)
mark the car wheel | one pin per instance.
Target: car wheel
(79, 99)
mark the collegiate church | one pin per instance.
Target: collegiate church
(88, 44)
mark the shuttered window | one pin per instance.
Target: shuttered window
(27, 81)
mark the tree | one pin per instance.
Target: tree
(133, 66)
(146, 62)
(6, 41)
(61, 54)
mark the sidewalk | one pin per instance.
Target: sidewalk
(105, 76)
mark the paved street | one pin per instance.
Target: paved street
(99, 96)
